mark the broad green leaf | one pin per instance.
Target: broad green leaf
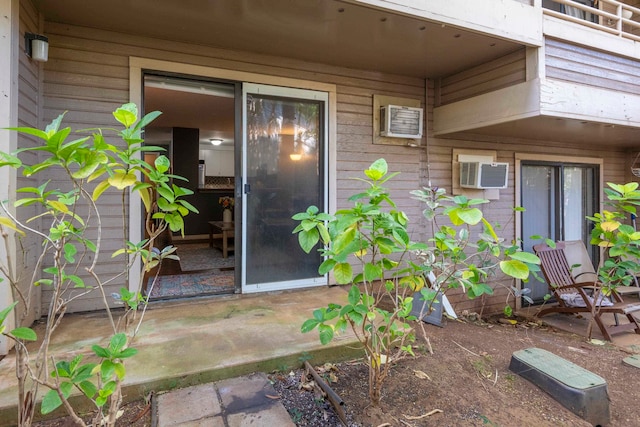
(326, 266)
(525, 257)
(91, 164)
(127, 114)
(515, 268)
(100, 188)
(122, 180)
(99, 351)
(119, 371)
(145, 196)
(470, 216)
(25, 334)
(354, 295)
(372, 272)
(609, 225)
(88, 388)
(343, 273)
(4, 313)
(308, 239)
(50, 402)
(60, 207)
(117, 342)
(107, 370)
(309, 325)
(162, 164)
(128, 352)
(377, 170)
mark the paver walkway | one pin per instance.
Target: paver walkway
(237, 402)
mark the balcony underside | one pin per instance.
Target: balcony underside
(381, 37)
(546, 110)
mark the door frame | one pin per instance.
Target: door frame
(290, 93)
(138, 66)
(525, 157)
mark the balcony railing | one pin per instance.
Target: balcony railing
(610, 16)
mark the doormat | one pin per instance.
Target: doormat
(187, 285)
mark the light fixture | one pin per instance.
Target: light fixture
(215, 141)
(295, 156)
(36, 47)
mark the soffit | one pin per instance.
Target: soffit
(321, 31)
(592, 135)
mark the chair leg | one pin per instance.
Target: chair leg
(603, 327)
(635, 322)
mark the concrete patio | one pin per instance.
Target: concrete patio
(202, 340)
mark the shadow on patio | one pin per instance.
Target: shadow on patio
(577, 324)
(196, 341)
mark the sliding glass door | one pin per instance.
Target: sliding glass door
(284, 172)
(557, 198)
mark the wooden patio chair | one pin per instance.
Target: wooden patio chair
(582, 268)
(557, 272)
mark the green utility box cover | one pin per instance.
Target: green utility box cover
(579, 390)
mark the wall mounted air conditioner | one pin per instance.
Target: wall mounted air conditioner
(400, 122)
(482, 175)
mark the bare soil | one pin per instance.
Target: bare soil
(467, 382)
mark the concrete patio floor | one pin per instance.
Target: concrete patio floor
(197, 341)
(203, 340)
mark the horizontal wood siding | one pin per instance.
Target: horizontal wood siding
(579, 64)
(488, 77)
(29, 103)
(88, 76)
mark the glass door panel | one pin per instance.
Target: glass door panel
(283, 174)
(557, 198)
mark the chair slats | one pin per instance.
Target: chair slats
(557, 272)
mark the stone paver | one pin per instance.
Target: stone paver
(243, 401)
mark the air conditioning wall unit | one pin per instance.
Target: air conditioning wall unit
(481, 175)
(401, 122)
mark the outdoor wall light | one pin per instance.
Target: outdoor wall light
(215, 141)
(36, 47)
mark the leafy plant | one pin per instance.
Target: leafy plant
(71, 250)
(392, 270)
(619, 242)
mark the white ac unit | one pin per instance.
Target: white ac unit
(482, 175)
(400, 122)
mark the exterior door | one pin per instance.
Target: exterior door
(283, 172)
(557, 197)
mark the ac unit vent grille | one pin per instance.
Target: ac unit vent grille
(400, 122)
(483, 175)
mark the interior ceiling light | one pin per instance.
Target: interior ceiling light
(215, 141)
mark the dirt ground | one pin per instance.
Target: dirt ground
(468, 382)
